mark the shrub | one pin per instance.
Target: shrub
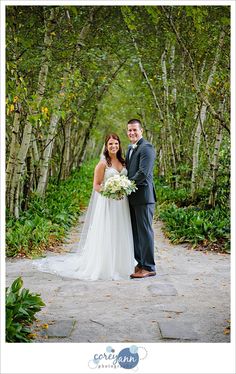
(49, 218)
(21, 307)
(194, 225)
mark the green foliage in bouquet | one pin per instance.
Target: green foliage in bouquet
(21, 307)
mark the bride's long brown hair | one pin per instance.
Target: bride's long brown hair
(119, 153)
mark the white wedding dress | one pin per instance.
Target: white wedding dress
(107, 249)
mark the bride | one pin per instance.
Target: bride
(105, 249)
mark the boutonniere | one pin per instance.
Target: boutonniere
(134, 146)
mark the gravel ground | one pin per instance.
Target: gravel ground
(187, 301)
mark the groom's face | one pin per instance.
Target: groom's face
(134, 132)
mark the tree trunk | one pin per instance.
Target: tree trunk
(201, 120)
(21, 156)
(47, 154)
(143, 71)
(35, 160)
(172, 76)
(44, 169)
(11, 163)
(214, 164)
(202, 96)
(28, 182)
(65, 170)
(167, 120)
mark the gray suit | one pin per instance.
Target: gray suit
(142, 202)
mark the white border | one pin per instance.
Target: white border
(118, 2)
(172, 358)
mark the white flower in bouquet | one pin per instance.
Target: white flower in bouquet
(117, 187)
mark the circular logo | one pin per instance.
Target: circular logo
(128, 358)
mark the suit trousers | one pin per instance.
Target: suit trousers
(141, 219)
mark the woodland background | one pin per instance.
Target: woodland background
(76, 73)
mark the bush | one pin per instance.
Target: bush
(48, 219)
(192, 220)
(21, 307)
(166, 194)
(191, 224)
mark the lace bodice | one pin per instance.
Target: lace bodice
(111, 171)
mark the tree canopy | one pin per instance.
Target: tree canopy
(76, 73)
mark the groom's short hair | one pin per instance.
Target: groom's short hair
(135, 120)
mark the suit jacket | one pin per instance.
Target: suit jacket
(140, 169)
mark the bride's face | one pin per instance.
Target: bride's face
(113, 146)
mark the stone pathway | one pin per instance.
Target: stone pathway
(188, 300)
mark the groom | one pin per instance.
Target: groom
(140, 161)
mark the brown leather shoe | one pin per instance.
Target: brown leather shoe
(137, 268)
(143, 274)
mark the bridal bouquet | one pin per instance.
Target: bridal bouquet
(118, 187)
